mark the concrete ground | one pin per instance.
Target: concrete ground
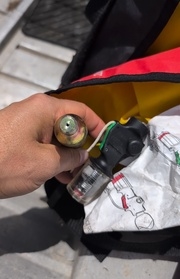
(34, 242)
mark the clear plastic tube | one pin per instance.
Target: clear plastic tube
(88, 184)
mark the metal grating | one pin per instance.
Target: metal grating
(61, 22)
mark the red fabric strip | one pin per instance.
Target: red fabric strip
(164, 62)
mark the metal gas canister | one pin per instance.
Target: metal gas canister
(70, 130)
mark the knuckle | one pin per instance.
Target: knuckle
(39, 98)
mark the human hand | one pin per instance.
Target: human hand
(27, 156)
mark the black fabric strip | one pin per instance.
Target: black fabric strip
(161, 77)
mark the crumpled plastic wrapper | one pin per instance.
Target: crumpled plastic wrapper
(145, 195)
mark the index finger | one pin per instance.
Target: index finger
(93, 122)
